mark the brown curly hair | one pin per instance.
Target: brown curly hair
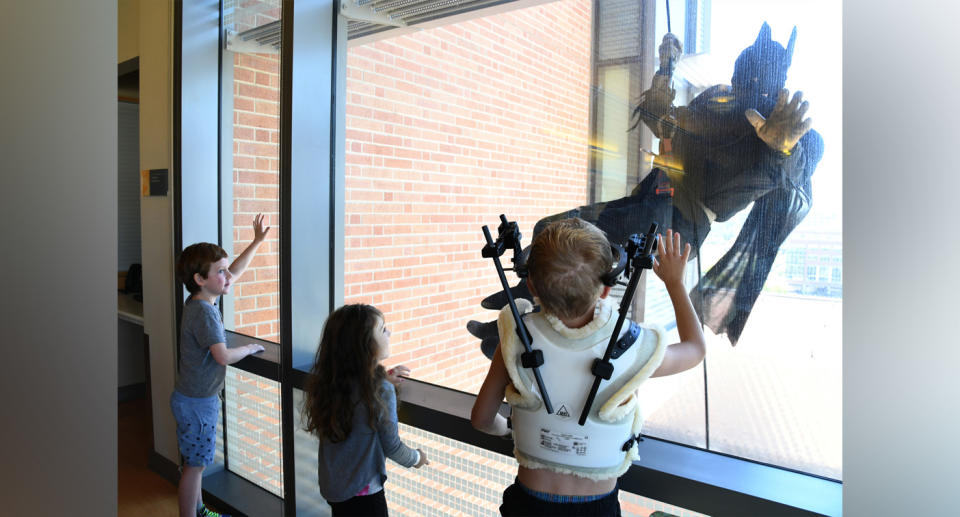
(346, 374)
(197, 258)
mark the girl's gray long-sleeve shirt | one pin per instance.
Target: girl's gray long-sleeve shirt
(344, 468)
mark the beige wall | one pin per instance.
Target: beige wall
(128, 29)
(156, 215)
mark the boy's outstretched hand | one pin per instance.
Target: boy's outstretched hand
(260, 229)
(671, 258)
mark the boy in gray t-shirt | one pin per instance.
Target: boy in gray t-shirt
(204, 357)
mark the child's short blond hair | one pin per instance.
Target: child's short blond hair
(566, 263)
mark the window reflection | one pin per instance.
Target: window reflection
(253, 429)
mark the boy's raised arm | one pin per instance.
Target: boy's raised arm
(260, 231)
(669, 265)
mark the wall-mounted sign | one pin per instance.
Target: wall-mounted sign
(154, 182)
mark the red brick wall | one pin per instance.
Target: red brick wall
(256, 188)
(254, 404)
(446, 129)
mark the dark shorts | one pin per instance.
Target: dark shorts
(361, 505)
(517, 501)
(196, 427)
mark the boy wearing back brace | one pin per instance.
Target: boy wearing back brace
(204, 356)
(567, 468)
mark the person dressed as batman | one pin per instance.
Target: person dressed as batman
(731, 146)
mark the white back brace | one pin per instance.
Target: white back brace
(557, 441)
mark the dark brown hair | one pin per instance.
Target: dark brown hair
(197, 258)
(346, 374)
(567, 260)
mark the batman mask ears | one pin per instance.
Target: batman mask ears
(764, 36)
(788, 55)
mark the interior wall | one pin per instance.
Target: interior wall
(58, 218)
(156, 216)
(128, 29)
(128, 183)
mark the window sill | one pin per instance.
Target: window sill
(265, 364)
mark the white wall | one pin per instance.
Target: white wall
(58, 257)
(901, 353)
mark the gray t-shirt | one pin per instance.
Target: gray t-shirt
(344, 468)
(201, 326)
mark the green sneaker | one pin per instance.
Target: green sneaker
(206, 512)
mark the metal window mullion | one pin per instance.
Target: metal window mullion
(177, 158)
(286, 295)
(223, 398)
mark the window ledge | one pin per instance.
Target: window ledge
(231, 492)
(265, 364)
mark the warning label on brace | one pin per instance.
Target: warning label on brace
(563, 443)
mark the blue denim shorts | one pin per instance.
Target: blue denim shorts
(196, 427)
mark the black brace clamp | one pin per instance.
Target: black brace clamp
(627, 445)
(531, 359)
(603, 368)
(509, 235)
(639, 252)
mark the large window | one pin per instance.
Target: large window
(528, 113)
(379, 152)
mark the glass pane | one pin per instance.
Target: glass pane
(253, 429)
(776, 396)
(460, 480)
(306, 447)
(251, 158)
(219, 454)
(447, 128)
(532, 114)
(674, 405)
